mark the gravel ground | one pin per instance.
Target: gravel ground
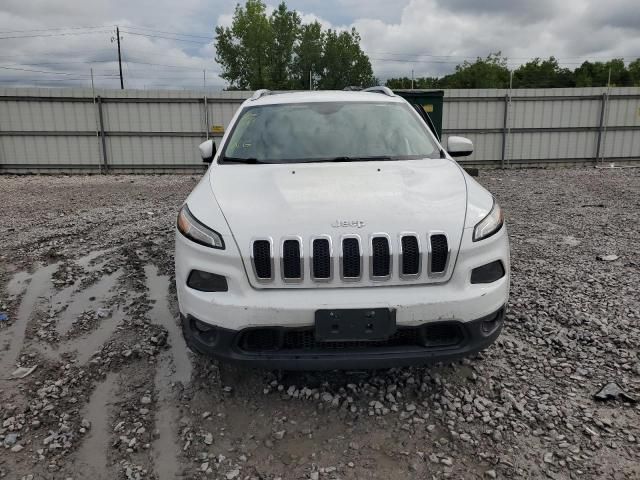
(86, 282)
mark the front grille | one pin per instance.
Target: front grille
(321, 263)
(380, 257)
(439, 253)
(374, 257)
(351, 258)
(439, 335)
(410, 255)
(291, 260)
(262, 259)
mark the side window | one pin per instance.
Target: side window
(427, 119)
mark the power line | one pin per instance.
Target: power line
(208, 37)
(52, 29)
(56, 34)
(45, 71)
(164, 37)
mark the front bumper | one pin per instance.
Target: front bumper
(243, 306)
(286, 348)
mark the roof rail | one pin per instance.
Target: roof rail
(380, 89)
(260, 93)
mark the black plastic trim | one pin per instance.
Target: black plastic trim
(222, 343)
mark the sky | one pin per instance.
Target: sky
(169, 44)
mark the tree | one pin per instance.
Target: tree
(596, 74)
(308, 55)
(634, 72)
(421, 82)
(242, 49)
(278, 52)
(285, 27)
(343, 62)
(542, 74)
(490, 72)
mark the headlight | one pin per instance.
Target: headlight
(489, 224)
(196, 231)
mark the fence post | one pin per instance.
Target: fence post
(206, 118)
(504, 130)
(603, 107)
(104, 141)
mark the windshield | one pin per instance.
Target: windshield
(329, 131)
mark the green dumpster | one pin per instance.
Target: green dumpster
(430, 100)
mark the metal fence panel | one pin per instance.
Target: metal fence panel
(557, 145)
(61, 129)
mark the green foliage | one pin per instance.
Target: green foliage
(285, 26)
(422, 82)
(634, 72)
(542, 74)
(343, 62)
(492, 72)
(308, 55)
(242, 49)
(279, 52)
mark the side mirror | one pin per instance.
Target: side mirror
(207, 150)
(459, 146)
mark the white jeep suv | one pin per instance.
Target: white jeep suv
(332, 230)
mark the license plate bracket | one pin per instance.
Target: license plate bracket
(354, 324)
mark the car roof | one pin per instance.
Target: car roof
(274, 98)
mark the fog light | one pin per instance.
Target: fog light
(490, 324)
(202, 327)
(488, 273)
(207, 282)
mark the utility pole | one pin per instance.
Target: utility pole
(119, 57)
(412, 79)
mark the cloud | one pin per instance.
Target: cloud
(427, 36)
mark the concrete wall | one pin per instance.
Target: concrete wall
(71, 130)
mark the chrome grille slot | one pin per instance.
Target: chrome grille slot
(439, 253)
(262, 259)
(380, 258)
(410, 261)
(291, 260)
(351, 259)
(321, 260)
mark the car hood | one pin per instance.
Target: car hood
(310, 199)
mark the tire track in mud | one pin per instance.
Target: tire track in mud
(39, 297)
(91, 458)
(174, 366)
(39, 285)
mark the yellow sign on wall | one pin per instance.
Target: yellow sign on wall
(428, 108)
(217, 128)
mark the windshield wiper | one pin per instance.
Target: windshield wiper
(241, 160)
(355, 159)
